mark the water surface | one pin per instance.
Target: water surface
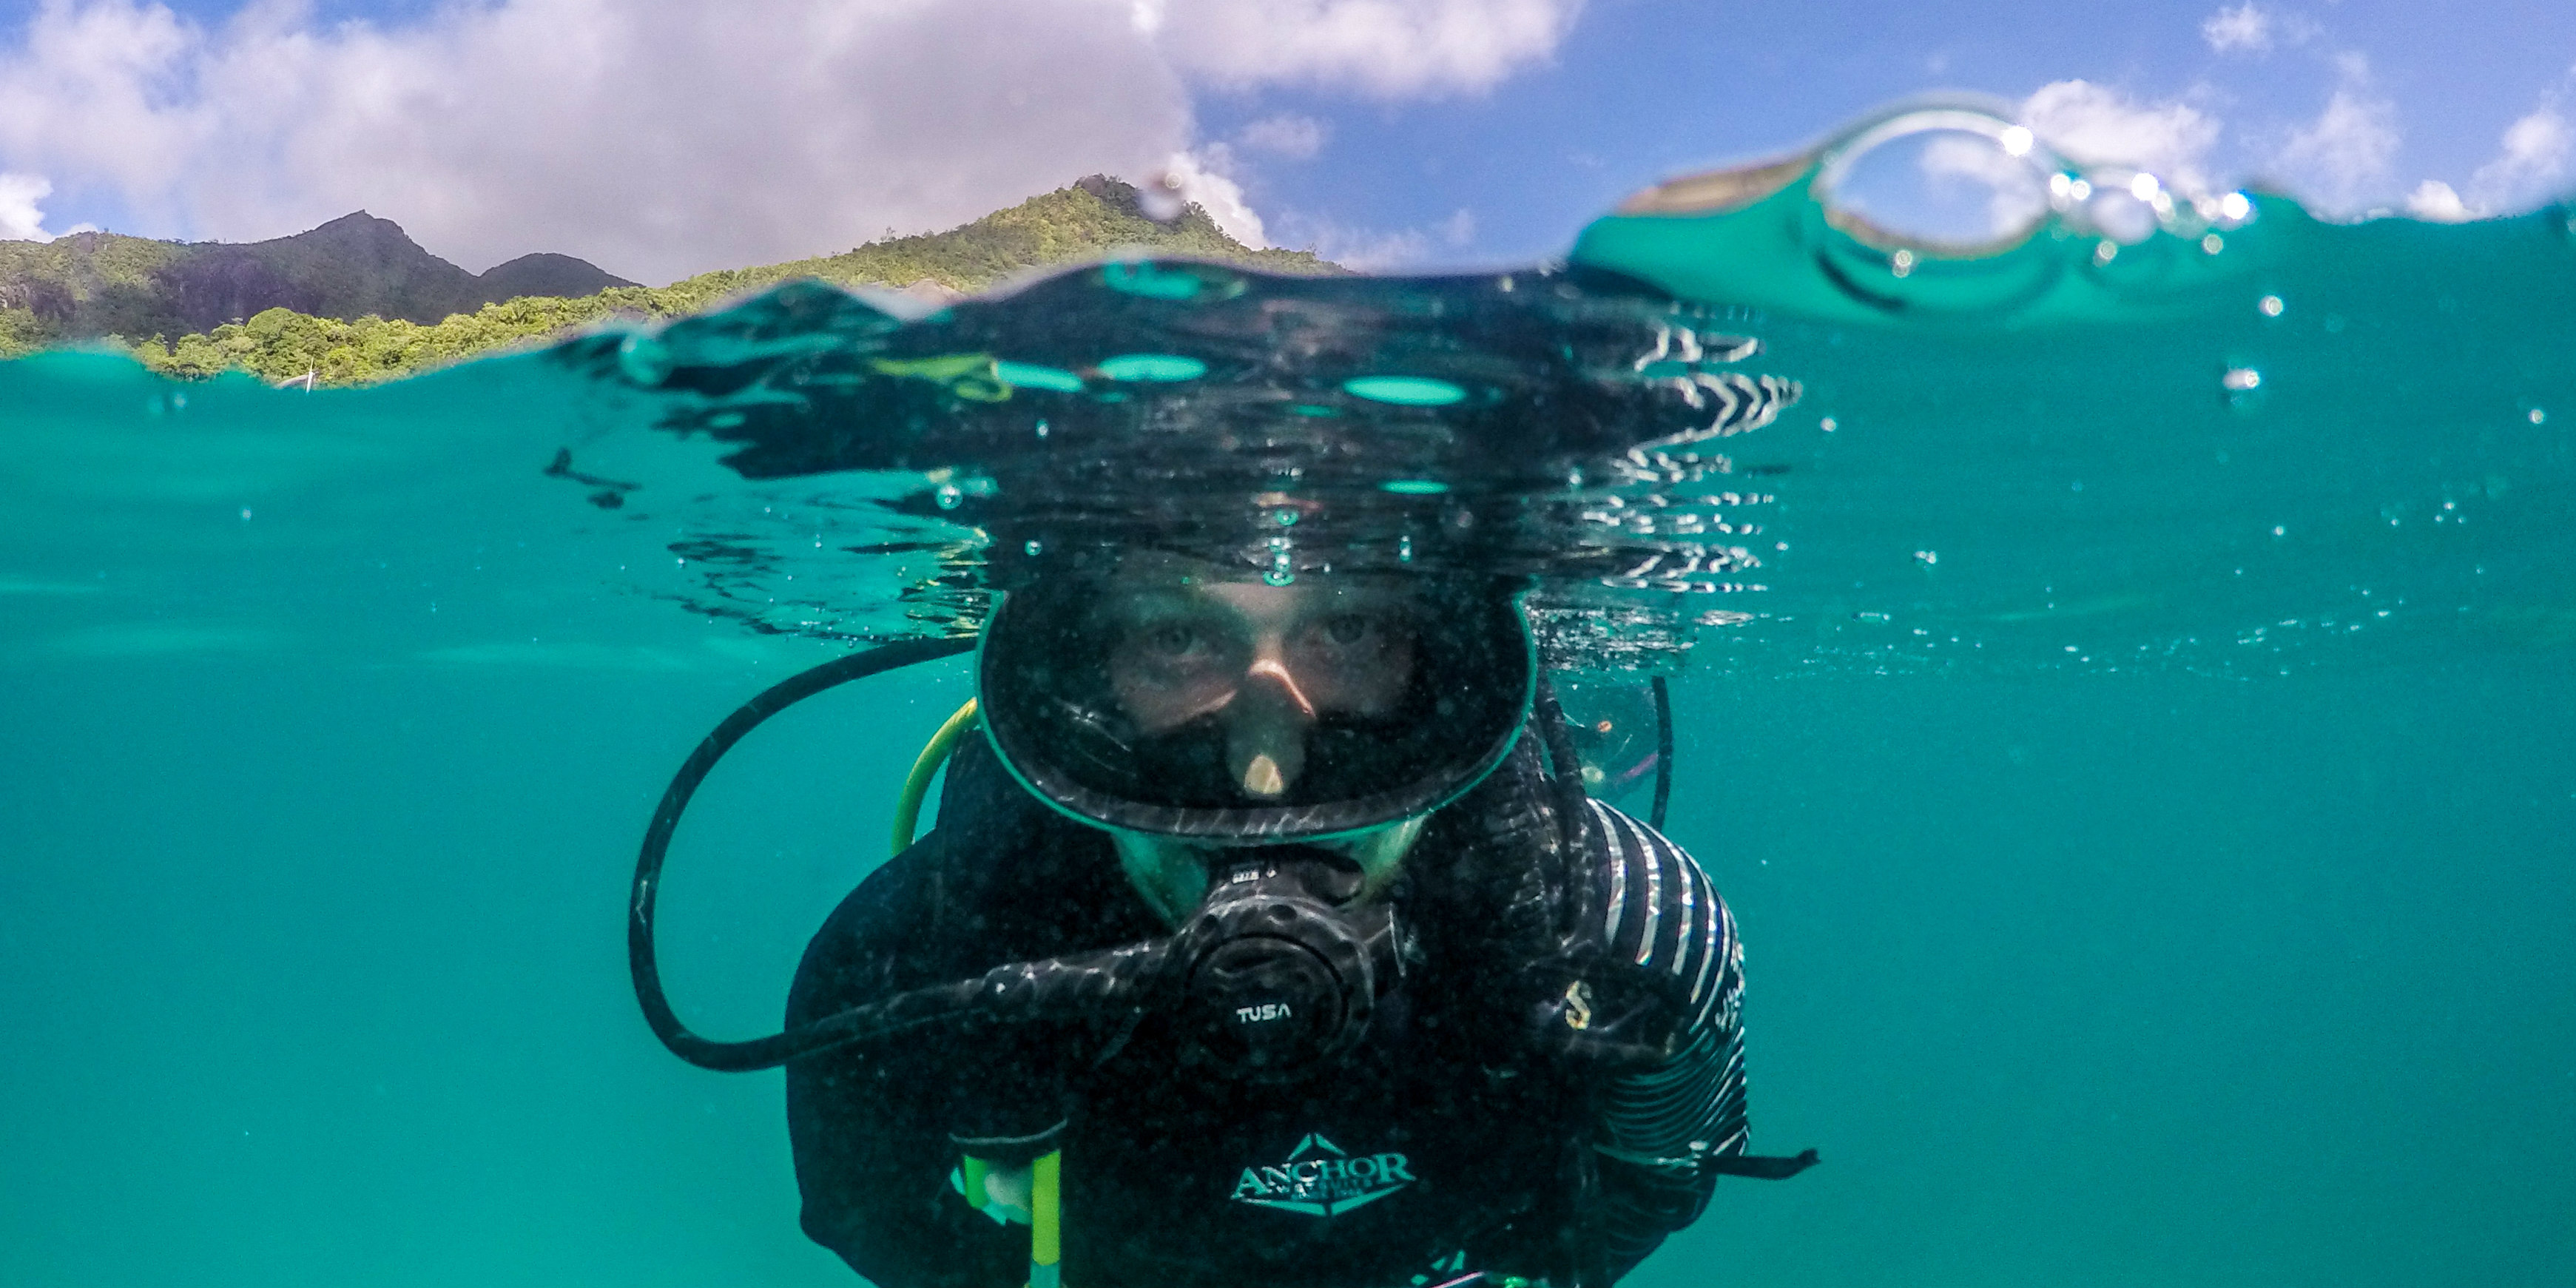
(2145, 792)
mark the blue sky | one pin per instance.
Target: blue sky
(661, 139)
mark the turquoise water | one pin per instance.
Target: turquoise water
(2147, 801)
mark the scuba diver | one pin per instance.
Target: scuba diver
(1266, 937)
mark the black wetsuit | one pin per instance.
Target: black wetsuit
(1549, 1092)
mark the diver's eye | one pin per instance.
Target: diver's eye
(1349, 628)
(1173, 639)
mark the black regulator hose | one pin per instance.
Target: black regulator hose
(1281, 977)
(895, 1014)
(1279, 969)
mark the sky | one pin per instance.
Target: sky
(661, 139)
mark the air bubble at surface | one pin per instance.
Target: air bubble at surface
(643, 360)
(1950, 181)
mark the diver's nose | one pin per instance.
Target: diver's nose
(1266, 728)
(1268, 670)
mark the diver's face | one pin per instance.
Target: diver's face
(1263, 662)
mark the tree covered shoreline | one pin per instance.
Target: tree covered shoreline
(1086, 220)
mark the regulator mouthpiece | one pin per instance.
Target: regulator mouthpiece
(1281, 968)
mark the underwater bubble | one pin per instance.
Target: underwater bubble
(2270, 305)
(2537, 415)
(2212, 243)
(1152, 367)
(2240, 379)
(1828, 424)
(643, 360)
(1404, 391)
(1033, 548)
(949, 496)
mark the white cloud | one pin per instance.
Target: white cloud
(1202, 177)
(2538, 154)
(2340, 162)
(653, 140)
(1388, 48)
(2434, 200)
(664, 138)
(2535, 160)
(2241, 28)
(1372, 250)
(2095, 123)
(20, 218)
(2014, 198)
(1298, 138)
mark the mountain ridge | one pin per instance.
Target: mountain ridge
(378, 307)
(94, 284)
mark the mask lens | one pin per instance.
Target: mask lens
(1165, 688)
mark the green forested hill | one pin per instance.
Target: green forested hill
(94, 284)
(44, 299)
